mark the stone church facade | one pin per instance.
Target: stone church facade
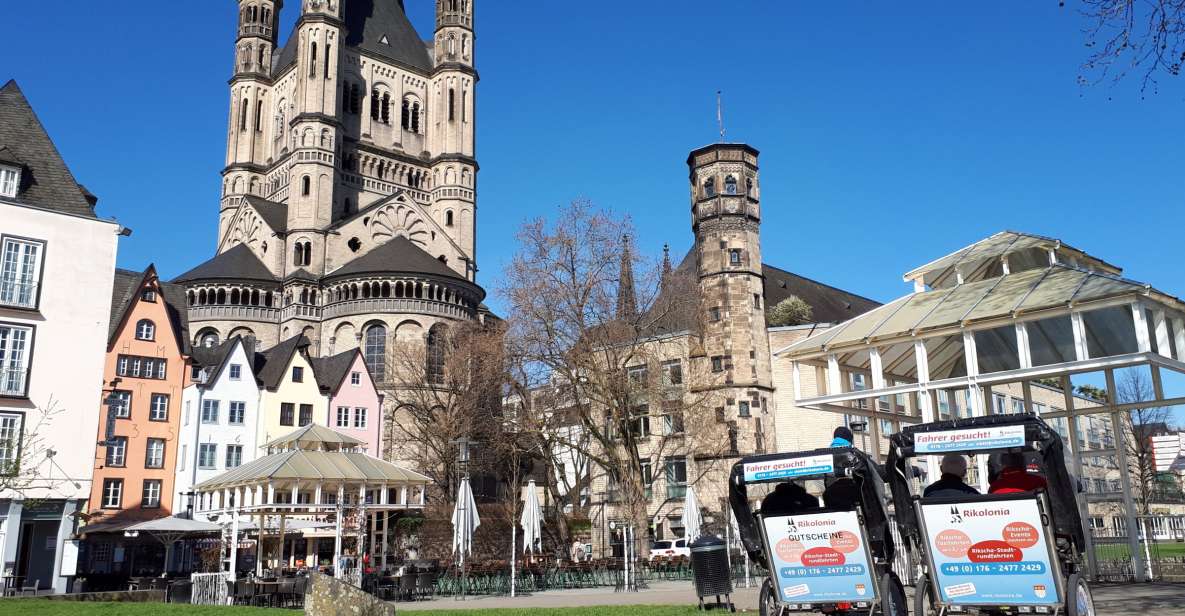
(348, 208)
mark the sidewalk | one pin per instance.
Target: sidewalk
(1110, 599)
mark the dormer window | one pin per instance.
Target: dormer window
(149, 295)
(10, 180)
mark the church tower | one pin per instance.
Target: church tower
(726, 220)
(451, 105)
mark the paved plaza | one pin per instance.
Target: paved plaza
(1110, 599)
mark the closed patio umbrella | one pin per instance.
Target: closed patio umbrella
(465, 522)
(691, 516)
(532, 520)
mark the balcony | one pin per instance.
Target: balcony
(18, 294)
(396, 305)
(238, 313)
(12, 381)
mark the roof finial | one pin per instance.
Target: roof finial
(720, 113)
(666, 266)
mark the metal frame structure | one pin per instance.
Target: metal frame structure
(1012, 308)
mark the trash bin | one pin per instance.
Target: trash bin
(709, 567)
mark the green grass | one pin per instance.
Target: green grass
(43, 607)
(1120, 551)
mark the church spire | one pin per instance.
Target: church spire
(627, 302)
(666, 266)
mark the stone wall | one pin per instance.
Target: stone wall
(330, 597)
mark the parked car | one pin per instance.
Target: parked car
(669, 548)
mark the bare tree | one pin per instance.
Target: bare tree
(1146, 37)
(1140, 425)
(26, 457)
(443, 388)
(601, 339)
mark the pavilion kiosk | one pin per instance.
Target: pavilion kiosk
(313, 475)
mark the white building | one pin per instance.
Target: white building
(57, 263)
(220, 416)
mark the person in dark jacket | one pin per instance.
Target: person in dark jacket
(788, 498)
(952, 482)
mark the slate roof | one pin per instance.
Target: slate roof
(828, 304)
(238, 263)
(331, 371)
(272, 364)
(46, 181)
(274, 214)
(368, 24)
(123, 293)
(397, 255)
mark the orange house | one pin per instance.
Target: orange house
(145, 372)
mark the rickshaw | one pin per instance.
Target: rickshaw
(833, 557)
(1014, 553)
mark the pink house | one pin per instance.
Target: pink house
(355, 405)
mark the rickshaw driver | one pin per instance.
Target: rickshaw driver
(1015, 477)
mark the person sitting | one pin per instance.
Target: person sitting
(842, 437)
(788, 498)
(952, 482)
(1014, 477)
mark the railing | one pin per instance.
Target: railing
(301, 311)
(397, 305)
(12, 381)
(1161, 543)
(246, 313)
(18, 294)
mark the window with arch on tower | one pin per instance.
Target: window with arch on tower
(452, 104)
(448, 218)
(730, 185)
(415, 117)
(306, 186)
(243, 115)
(313, 59)
(710, 187)
(374, 351)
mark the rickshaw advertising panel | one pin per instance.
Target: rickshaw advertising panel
(990, 553)
(788, 468)
(977, 439)
(819, 558)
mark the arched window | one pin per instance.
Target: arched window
(452, 45)
(405, 117)
(386, 109)
(452, 104)
(375, 103)
(313, 59)
(465, 46)
(298, 255)
(415, 117)
(730, 185)
(710, 187)
(234, 297)
(435, 354)
(306, 186)
(220, 297)
(448, 218)
(262, 55)
(355, 99)
(259, 116)
(243, 114)
(145, 330)
(374, 351)
(304, 296)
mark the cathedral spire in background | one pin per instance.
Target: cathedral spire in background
(666, 267)
(627, 299)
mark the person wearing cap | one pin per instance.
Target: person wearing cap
(842, 437)
(953, 480)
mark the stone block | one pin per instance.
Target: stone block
(330, 597)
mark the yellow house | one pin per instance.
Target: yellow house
(289, 396)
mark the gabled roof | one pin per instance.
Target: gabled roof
(1029, 251)
(379, 27)
(301, 274)
(124, 293)
(216, 357)
(331, 371)
(274, 214)
(397, 255)
(272, 364)
(46, 181)
(238, 263)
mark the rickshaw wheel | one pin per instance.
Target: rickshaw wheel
(767, 604)
(893, 601)
(923, 597)
(1079, 600)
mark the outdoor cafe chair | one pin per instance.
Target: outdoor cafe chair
(286, 592)
(426, 585)
(407, 587)
(30, 589)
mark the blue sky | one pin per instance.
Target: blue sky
(890, 134)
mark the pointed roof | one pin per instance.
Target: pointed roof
(666, 266)
(627, 296)
(381, 27)
(331, 371)
(238, 263)
(313, 436)
(273, 213)
(46, 181)
(217, 356)
(397, 255)
(272, 364)
(124, 294)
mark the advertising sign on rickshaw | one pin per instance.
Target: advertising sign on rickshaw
(990, 553)
(788, 468)
(819, 558)
(977, 439)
